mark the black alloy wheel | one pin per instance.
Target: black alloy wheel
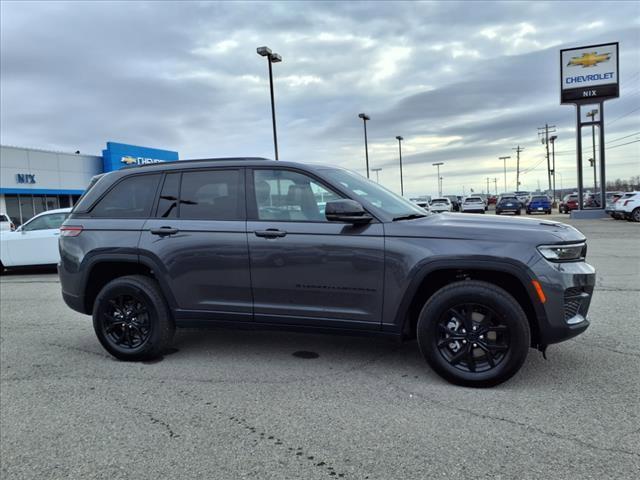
(472, 337)
(126, 321)
(132, 319)
(473, 333)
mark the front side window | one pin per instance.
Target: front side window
(290, 196)
(130, 198)
(211, 195)
(45, 222)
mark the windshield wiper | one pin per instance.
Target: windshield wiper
(409, 217)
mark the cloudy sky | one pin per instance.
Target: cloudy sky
(463, 83)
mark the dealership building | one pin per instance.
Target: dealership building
(33, 180)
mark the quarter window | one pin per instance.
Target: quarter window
(130, 198)
(211, 195)
(290, 196)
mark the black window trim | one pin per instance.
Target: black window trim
(252, 204)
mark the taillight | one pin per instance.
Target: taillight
(13, 227)
(70, 230)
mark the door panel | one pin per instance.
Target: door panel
(325, 274)
(37, 247)
(304, 269)
(206, 263)
(200, 240)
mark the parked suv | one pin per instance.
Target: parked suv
(255, 243)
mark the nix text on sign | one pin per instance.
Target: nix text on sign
(25, 178)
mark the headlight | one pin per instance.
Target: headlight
(564, 253)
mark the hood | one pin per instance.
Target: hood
(485, 227)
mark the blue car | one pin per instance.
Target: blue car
(539, 204)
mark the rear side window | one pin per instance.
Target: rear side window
(211, 195)
(3, 218)
(132, 197)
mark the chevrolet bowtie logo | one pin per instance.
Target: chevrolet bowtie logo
(127, 160)
(589, 59)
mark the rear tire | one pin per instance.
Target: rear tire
(635, 215)
(474, 334)
(132, 319)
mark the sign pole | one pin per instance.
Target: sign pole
(603, 180)
(579, 151)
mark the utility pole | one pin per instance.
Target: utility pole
(518, 149)
(495, 184)
(487, 185)
(377, 170)
(437, 165)
(553, 139)
(544, 131)
(593, 114)
(504, 159)
(399, 138)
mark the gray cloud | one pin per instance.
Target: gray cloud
(462, 82)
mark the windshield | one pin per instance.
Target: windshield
(508, 199)
(372, 193)
(439, 200)
(538, 199)
(473, 200)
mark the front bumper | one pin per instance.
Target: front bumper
(569, 289)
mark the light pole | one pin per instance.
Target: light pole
(271, 58)
(377, 170)
(593, 114)
(553, 139)
(437, 165)
(504, 160)
(399, 138)
(364, 118)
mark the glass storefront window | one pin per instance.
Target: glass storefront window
(52, 202)
(65, 201)
(26, 207)
(39, 203)
(13, 208)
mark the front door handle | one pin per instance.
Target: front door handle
(270, 233)
(164, 231)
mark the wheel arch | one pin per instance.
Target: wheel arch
(101, 269)
(512, 276)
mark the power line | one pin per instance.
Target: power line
(623, 144)
(622, 116)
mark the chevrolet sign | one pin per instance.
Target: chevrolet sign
(589, 73)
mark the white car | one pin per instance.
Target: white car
(617, 209)
(473, 205)
(6, 224)
(629, 206)
(35, 242)
(439, 205)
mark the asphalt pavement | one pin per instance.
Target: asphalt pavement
(239, 404)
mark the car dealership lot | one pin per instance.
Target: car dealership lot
(239, 404)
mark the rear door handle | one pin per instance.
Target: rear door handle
(164, 231)
(270, 233)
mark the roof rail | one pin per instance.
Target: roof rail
(223, 159)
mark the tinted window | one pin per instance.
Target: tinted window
(539, 199)
(130, 198)
(290, 196)
(46, 222)
(3, 218)
(211, 195)
(168, 202)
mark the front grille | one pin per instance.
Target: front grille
(576, 302)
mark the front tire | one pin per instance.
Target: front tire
(474, 334)
(132, 319)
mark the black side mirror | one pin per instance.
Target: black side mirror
(348, 211)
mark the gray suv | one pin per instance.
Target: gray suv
(255, 243)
